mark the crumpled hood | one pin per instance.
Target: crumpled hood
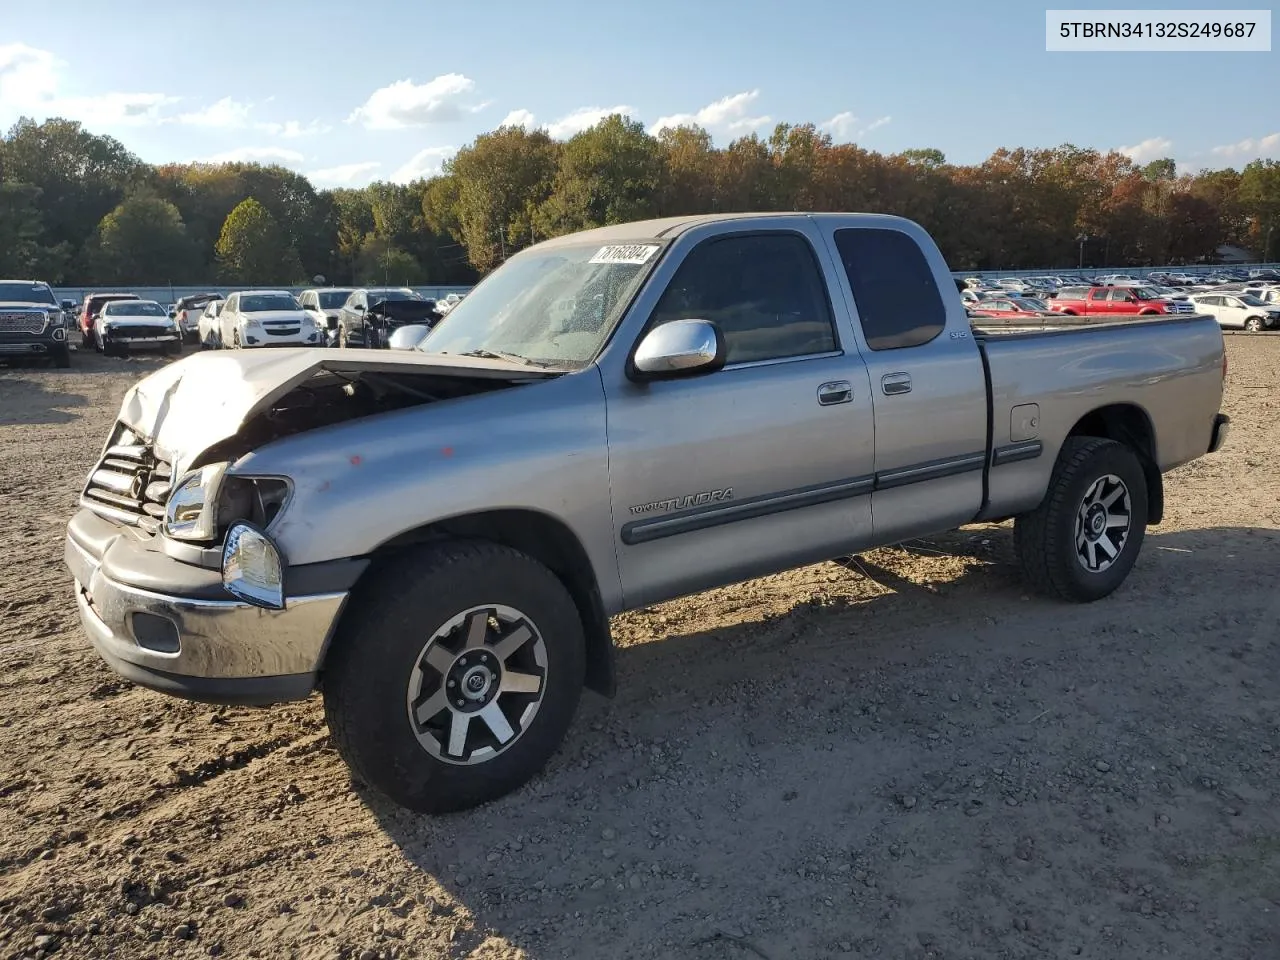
(187, 406)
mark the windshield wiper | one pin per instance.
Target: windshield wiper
(503, 355)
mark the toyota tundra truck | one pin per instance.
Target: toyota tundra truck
(436, 538)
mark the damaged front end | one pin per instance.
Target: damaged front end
(167, 465)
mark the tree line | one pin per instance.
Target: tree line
(79, 208)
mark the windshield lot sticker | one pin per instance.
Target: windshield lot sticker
(625, 253)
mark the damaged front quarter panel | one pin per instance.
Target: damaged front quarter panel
(221, 405)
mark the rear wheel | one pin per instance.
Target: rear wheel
(1083, 539)
(454, 675)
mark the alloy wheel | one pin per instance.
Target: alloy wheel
(1102, 523)
(477, 684)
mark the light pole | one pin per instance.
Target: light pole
(1081, 240)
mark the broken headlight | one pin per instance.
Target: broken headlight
(206, 501)
(191, 512)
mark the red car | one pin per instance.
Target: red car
(1119, 301)
(1009, 307)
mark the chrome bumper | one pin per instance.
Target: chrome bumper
(222, 651)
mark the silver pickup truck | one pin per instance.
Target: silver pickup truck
(436, 537)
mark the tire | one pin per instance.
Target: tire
(98, 345)
(235, 339)
(1253, 324)
(173, 349)
(85, 339)
(1058, 558)
(62, 357)
(380, 680)
(342, 338)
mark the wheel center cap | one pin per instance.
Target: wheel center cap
(1095, 522)
(476, 682)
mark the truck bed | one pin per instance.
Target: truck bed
(1063, 323)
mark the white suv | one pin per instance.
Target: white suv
(267, 318)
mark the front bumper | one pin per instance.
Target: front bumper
(253, 338)
(52, 340)
(202, 644)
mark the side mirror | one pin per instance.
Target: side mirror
(680, 347)
(409, 336)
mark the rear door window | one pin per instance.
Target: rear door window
(893, 286)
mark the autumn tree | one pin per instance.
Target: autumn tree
(254, 251)
(499, 182)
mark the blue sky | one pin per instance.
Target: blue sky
(349, 92)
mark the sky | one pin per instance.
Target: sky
(348, 93)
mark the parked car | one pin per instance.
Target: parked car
(1119, 301)
(325, 306)
(443, 533)
(209, 325)
(93, 303)
(188, 311)
(1011, 307)
(1240, 311)
(32, 322)
(266, 318)
(357, 325)
(123, 326)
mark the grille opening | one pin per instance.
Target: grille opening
(129, 484)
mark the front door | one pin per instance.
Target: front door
(763, 465)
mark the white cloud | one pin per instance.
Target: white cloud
(32, 82)
(346, 173)
(225, 114)
(292, 129)
(728, 114)
(582, 118)
(1250, 149)
(845, 127)
(518, 118)
(408, 104)
(27, 75)
(842, 126)
(424, 163)
(1154, 148)
(251, 154)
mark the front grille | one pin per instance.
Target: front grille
(24, 322)
(136, 331)
(1181, 306)
(129, 484)
(283, 331)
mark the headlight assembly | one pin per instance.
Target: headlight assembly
(191, 512)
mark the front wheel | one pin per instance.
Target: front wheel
(342, 338)
(454, 675)
(62, 357)
(1253, 324)
(1083, 539)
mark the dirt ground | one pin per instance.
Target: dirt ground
(908, 757)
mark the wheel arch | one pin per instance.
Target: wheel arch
(1131, 425)
(547, 540)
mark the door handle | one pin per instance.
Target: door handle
(894, 383)
(835, 391)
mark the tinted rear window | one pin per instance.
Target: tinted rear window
(893, 286)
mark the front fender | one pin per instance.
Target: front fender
(538, 446)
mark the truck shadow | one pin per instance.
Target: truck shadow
(25, 399)
(731, 750)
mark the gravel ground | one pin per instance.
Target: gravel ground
(904, 757)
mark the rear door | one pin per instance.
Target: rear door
(927, 381)
(760, 466)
